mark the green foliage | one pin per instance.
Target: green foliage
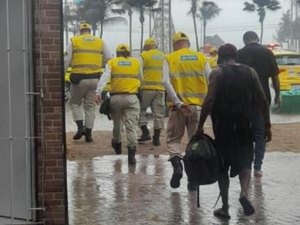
(260, 6)
(296, 28)
(208, 11)
(284, 29)
(99, 11)
(193, 11)
(194, 7)
(141, 6)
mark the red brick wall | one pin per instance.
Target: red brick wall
(50, 157)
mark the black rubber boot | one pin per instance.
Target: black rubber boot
(117, 147)
(155, 140)
(88, 135)
(80, 130)
(145, 135)
(177, 172)
(131, 155)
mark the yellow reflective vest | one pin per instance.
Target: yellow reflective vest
(124, 75)
(87, 55)
(107, 87)
(67, 74)
(153, 61)
(213, 61)
(187, 75)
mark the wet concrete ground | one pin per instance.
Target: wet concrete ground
(105, 190)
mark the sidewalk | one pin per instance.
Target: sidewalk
(105, 190)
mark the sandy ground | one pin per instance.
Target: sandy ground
(285, 138)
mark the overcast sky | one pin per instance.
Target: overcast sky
(232, 21)
(230, 25)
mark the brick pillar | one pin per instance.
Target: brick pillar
(49, 118)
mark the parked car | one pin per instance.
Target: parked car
(289, 66)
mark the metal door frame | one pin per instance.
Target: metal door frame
(27, 54)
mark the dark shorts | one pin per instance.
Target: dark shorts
(234, 140)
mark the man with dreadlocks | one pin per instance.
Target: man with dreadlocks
(234, 92)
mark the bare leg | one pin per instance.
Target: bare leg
(244, 176)
(223, 182)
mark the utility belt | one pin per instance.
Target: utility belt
(126, 93)
(75, 78)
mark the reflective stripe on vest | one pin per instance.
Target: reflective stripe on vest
(87, 51)
(191, 95)
(86, 66)
(158, 68)
(186, 74)
(155, 85)
(87, 56)
(151, 83)
(130, 76)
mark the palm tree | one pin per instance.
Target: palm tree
(284, 28)
(296, 28)
(193, 11)
(69, 17)
(261, 6)
(98, 11)
(141, 6)
(208, 11)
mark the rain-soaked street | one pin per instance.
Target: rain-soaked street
(105, 190)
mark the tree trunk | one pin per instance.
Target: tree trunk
(94, 28)
(204, 31)
(196, 32)
(142, 20)
(142, 35)
(261, 31)
(150, 20)
(67, 34)
(130, 30)
(101, 29)
(201, 36)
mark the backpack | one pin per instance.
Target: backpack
(201, 161)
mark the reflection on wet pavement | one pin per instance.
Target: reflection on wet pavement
(105, 190)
